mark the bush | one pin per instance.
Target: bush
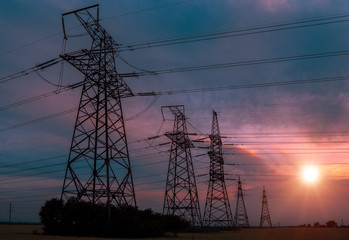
(87, 219)
(51, 216)
(331, 223)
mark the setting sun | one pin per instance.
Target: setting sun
(310, 174)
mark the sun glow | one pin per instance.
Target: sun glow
(310, 174)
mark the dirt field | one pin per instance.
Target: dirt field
(26, 232)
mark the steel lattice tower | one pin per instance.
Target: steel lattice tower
(217, 208)
(240, 218)
(181, 196)
(265, 216)
(99, 142)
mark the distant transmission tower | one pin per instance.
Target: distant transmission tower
(265, 216)
(98, 168)
(240, 218)
(217, 209)
(181, 195)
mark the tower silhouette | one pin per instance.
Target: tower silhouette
(181, 196)
(265, 216)
(240, 217)
(217, 208)
(98, 168)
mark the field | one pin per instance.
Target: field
(30, 232)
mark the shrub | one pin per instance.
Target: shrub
(331, 223)
(87, 219)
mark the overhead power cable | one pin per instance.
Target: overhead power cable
(241, 31)
(70, 111)
(294, 148)
(244, 86)
(46, 80)
(238, 64)
(281, 134)
(36, 68)
(237, 32)
(295, 164)
(146, 9)
(38, 119)
(283, 142)
(206, 67)
(34, 161)
(295, 24)
(29, 169)
(103, 19)
(289, 153)
(35, 98)
(144, 110)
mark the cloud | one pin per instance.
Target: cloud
(276, 5)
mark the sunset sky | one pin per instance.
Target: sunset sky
(272, 126)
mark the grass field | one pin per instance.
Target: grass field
(26, 232)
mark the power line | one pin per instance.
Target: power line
(206, 36)
(146, 10)
(238, 64)
(246, 86)
(286, 164)
(106, 18)
(29, 169)
(30, 189)
(36, 68)
(64, 113)
(298, 148)
(288, 153)
(303, 142)
(144, 110)
(57, 164)
(29, 44)
(39, 119)
(237, 32)
(34, 161)
(35, 98)
(31, 175)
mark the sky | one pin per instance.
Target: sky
(270, 131)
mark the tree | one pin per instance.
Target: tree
(51, 216)
(316, 224)
(331, 223)
(87, 219)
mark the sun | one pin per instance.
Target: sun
(310, 174)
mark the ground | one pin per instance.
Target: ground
(31, 232)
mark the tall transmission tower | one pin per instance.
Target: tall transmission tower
(98, 168)
(217, 208)
(181, 195)
(240, 218)
(265, 216)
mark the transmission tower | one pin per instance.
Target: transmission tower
(98, 168)
(240, 218)
(265, 216)
(181, 196)
(217, 208)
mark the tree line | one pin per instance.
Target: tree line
(87, 219)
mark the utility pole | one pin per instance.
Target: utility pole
(99, 144)
(181, 195)
(217, 208)
(10, 214)
(265, 216)
(240, 218)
